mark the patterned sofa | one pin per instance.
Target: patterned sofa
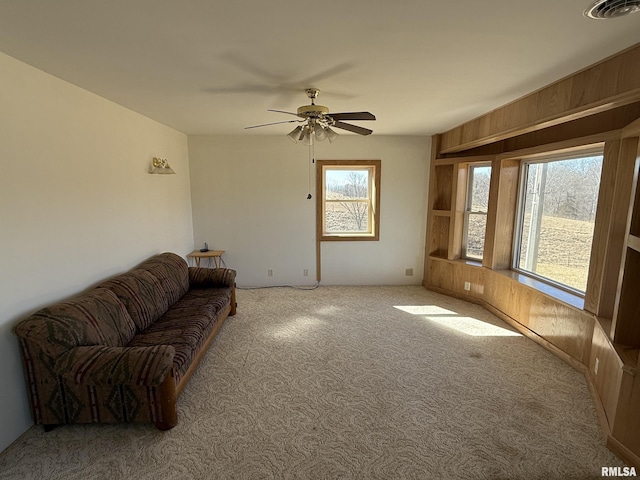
(123, 351)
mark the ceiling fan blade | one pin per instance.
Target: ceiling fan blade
(261, 89)
(282, 111)
(273, 123)
(352, 128)
(330, 72)
(353, 116)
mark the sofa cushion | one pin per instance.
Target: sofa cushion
(200, 277)
(111, 317)
(172, 273)
(212, 299)
(185, 326)
(94, 318)
(141, 294)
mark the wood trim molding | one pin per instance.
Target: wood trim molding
(626, 179)
(604, 266)
(574, 145)
(503, 197)
(631, 130)
(610, 83)
(623, 452)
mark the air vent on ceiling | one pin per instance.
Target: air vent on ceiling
(603, 9)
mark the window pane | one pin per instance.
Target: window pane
(346, 217)
(478, 180)
(348, 199)
(341, 183)
(559, 208)
(475, 238)
(480, 189)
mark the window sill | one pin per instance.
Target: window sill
(348, 238)
(471, 262)
(569, 298)
(465, 261)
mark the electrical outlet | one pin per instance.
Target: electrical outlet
(595, 367)
(467, 286)
(305, 272)
(409, 272)
(269, 273)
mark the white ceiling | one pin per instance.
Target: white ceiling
(216, 66)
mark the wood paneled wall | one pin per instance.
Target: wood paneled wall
(546, 319)
(610, 83)
(600, 333)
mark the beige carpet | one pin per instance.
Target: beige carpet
(350, 382)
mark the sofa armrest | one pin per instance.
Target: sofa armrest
(200, 277)
(101, 365)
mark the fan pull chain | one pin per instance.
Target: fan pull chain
(312, 160)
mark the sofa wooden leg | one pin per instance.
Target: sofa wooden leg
(168, 403)
(164, 426)
(234, 304)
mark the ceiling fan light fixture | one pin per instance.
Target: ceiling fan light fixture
(306, 135)
(606, 9)
(320, 133)
(331, 134)
(294, 134)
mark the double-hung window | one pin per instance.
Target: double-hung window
(556, 215)
(349, 199)
(475, 212)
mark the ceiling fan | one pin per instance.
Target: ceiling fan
(317, 121)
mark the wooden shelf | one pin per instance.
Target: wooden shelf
(633, 242)
(441, 213)
(627, 324)
(439, 242)
(628, 356)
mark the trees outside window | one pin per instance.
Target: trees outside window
(475, 212)
(556, 214)
(349, 199)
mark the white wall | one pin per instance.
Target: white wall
(76, 204)
(249, 199)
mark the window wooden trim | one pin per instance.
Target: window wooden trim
(375, 165)
(547, 158)
(468, 211)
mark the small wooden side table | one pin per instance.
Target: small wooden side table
(213, 256)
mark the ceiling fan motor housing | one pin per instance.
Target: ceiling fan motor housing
(604, 9)
(312, 111)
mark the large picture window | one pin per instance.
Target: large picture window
(349, 199)
(557, 207)
(475, 212)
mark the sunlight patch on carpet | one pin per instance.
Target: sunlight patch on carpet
(296, 327)
(328, 310)
(473, 326)
(450, 319)
(424, 310)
